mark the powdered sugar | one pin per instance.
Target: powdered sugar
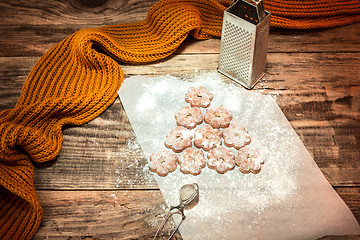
(250, 204)
(255, 192)
(146, 102)
(132, 158)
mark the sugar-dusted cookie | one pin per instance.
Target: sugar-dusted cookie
(249, 160)
(236, 135)
(178, 139)
(198, 97)
(163, 162)
(192, 160)
(218, 117)
(189, 117)
(221, 159)
(207, 138)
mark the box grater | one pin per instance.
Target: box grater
(244, 42)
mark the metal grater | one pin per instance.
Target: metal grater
(244, 42)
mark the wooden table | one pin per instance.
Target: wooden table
(97, 189)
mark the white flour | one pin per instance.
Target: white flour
(288, 199)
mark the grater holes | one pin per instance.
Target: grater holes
(236, 50)
(261, 48)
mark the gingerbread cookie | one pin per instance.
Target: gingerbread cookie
(192, 160)
(236, 135)
(198, 97)
(207, 138)
(218, 117)
(221, 159)
(163, 162)
(189, 117)
(249, 160)
(178, 139)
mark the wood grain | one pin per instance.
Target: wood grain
(327, 105)
(35, 40)
(78, 12)
(119, 214)
(285, 71)
(100, 187)
(102, 215)
(52, 21)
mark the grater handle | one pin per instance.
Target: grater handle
(260, 9)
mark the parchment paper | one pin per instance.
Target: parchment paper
(289, 199)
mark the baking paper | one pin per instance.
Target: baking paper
(289, 199)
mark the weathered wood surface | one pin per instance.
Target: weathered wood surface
(118, 214)
(99, 186)
(33, 27)
(321, 101)
(34, 40)
(102, 215)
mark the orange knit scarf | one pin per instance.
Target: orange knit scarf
(78, 79)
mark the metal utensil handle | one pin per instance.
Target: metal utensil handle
(180, 208)
(167, 216)
(182, 219)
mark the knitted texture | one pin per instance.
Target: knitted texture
(74, 82)
(310, 14)
(77, 79)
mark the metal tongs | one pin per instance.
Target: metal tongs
(189, 194)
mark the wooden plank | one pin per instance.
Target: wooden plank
(333, 145)
(120, 214)
(52, 21)
(313, 75)
(350, 195)
(32, 40)
(340, 39)
(13, 73)
(102, 215)
(321, 102)
(48, 13)
(330, 72)
(35, 40)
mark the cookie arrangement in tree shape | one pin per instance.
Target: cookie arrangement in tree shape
(207, 139)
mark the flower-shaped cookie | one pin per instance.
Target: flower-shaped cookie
(178, 139)
(192, 160)
(249, 160)
(236, 135)
(221, 159)
(207, 138)
(218, 117)
(198, 97)
(163, 162)
(189, 117)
